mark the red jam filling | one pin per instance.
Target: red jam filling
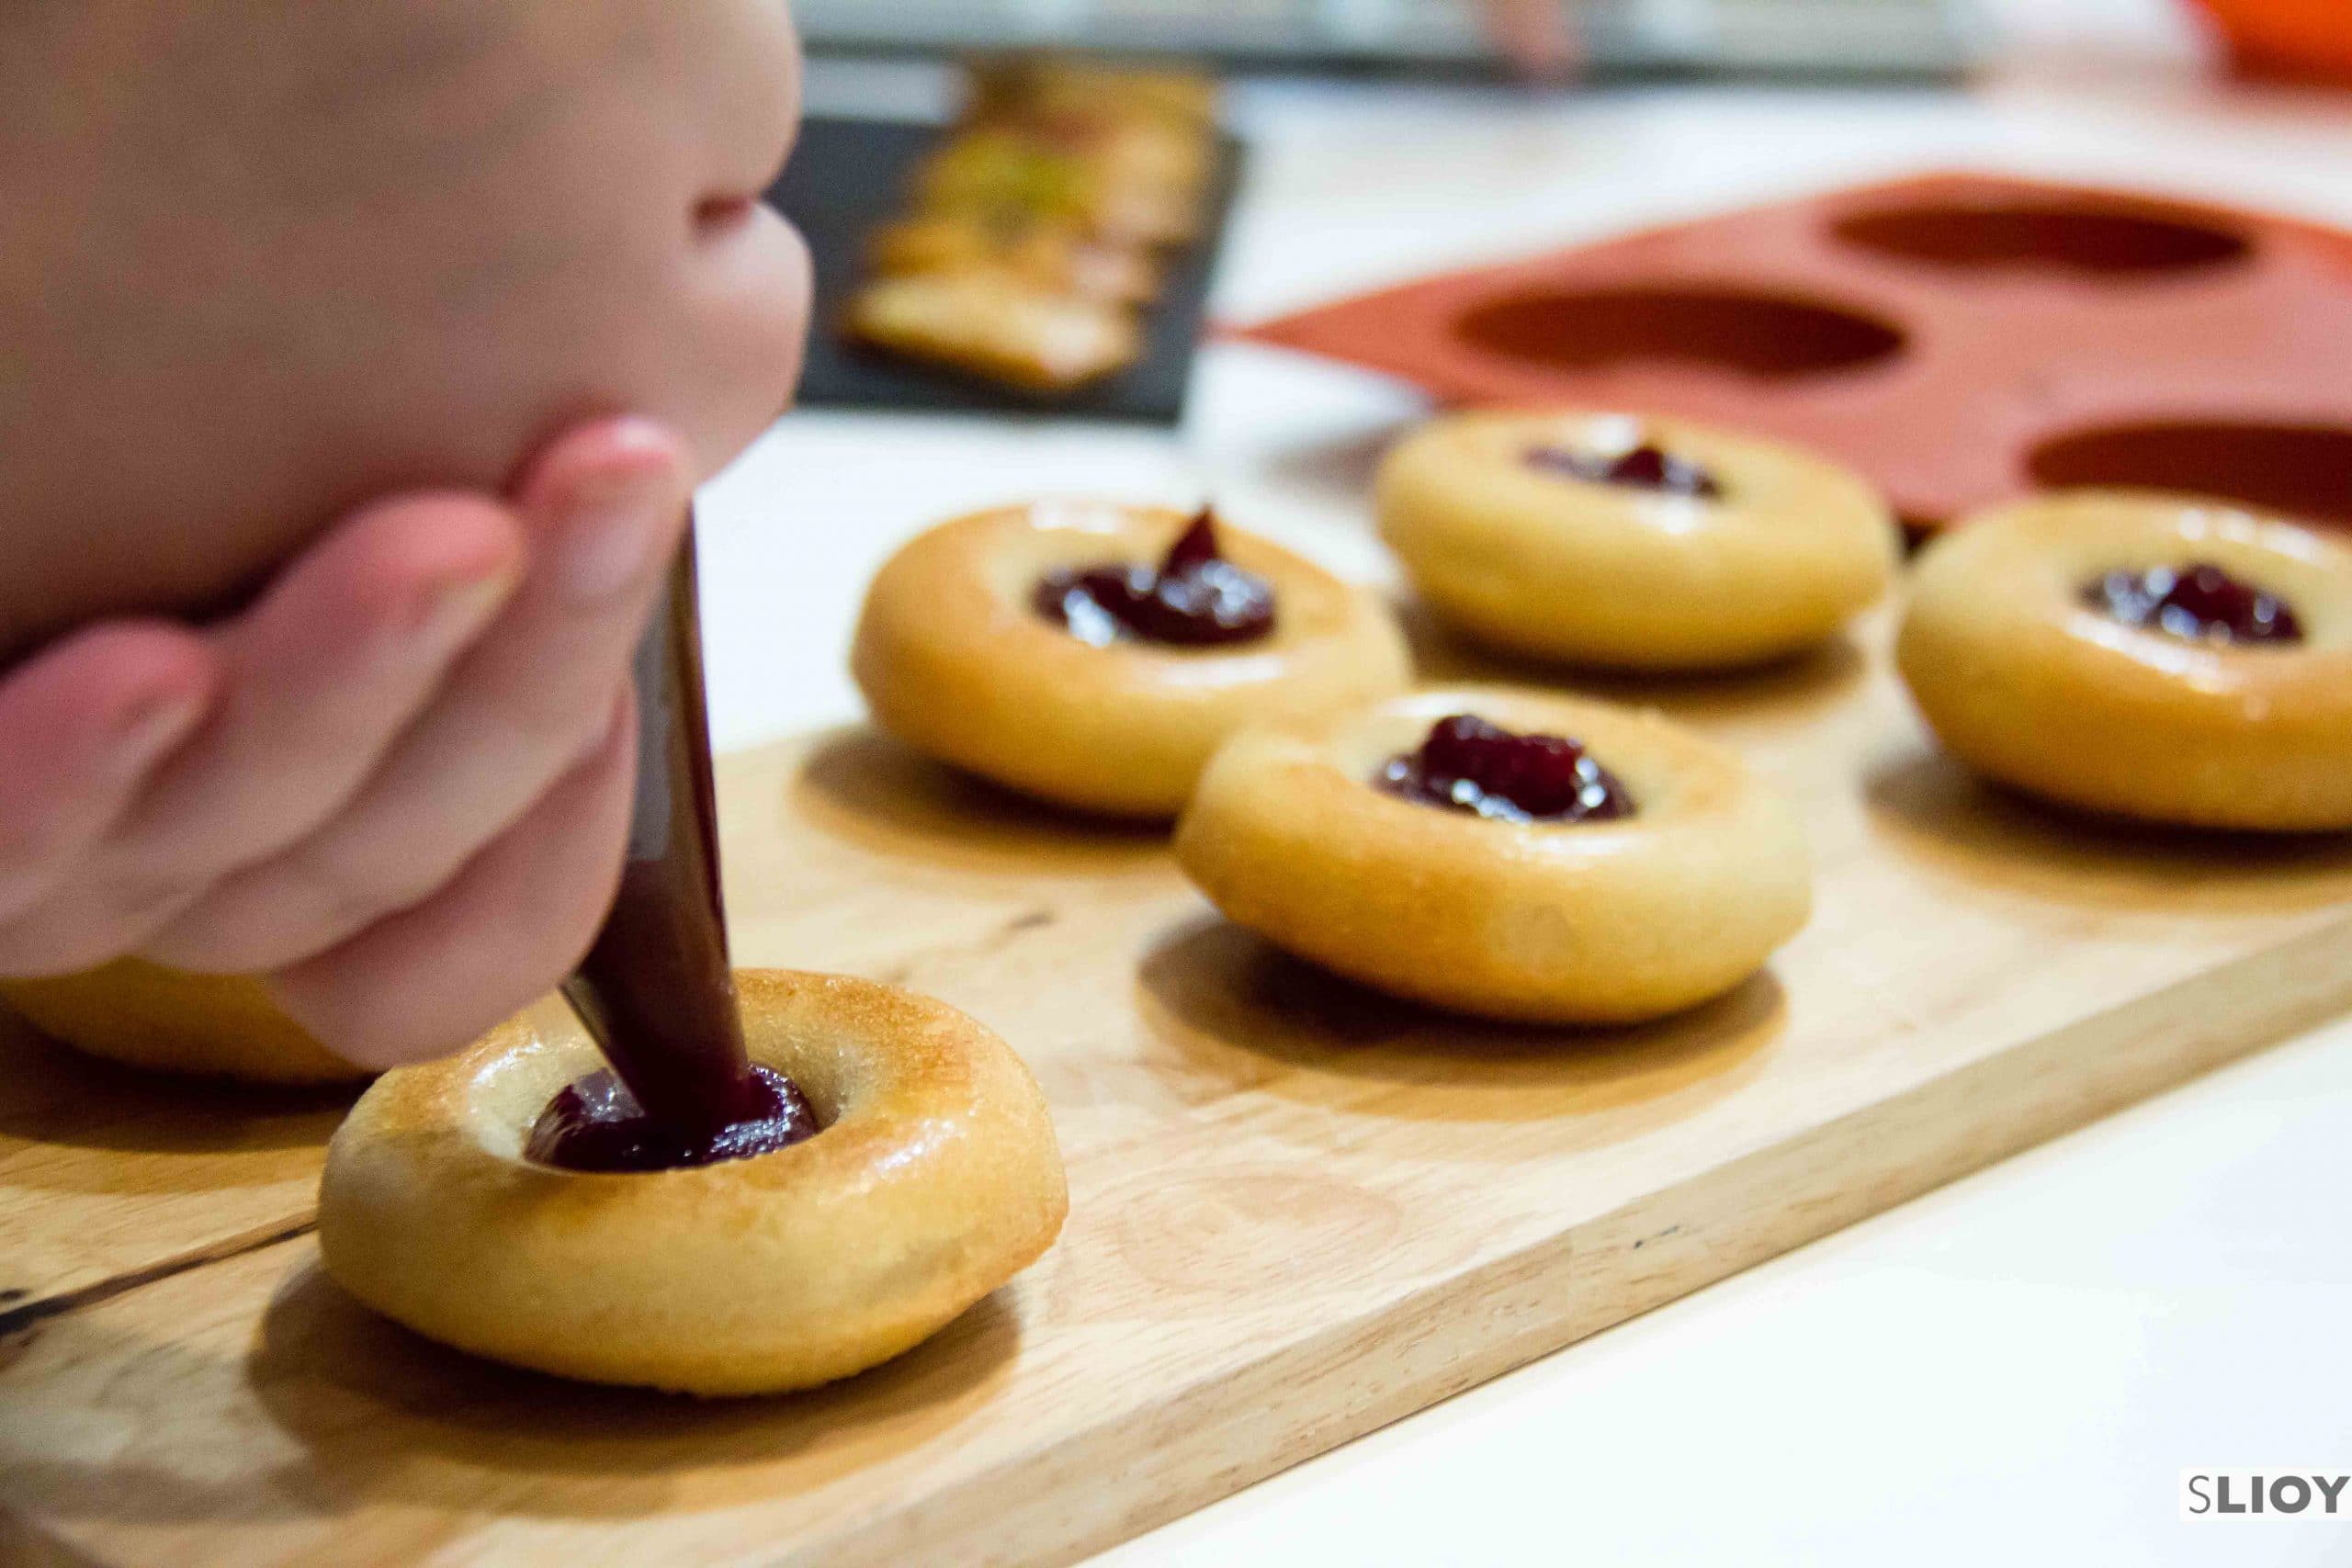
(2201, 601)
(596, 1125)
(1195, 597)
(1642, 467)
(1468, 764)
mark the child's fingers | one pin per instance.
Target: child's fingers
(83, 724)
(606, 506)
(510, 926)
(321, 677)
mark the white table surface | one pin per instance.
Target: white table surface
(2015, 1368)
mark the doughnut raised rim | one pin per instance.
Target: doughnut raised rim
(955, 661)
(144, 1015)
(935, 1178)
(1587, 922)
(2028, 685)
(1552, 567)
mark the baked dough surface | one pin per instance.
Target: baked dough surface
(1544, 565)
(1590, 922)
(935, 1178)
(222, 1026)
(2027, 684)
(953, 659)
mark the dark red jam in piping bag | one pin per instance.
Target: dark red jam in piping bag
(1643, 467)
(1195, 597)
(1468, 764)
(598, 1124)
(656, 990)
(2201, 601)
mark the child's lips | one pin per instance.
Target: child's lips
(716, 215)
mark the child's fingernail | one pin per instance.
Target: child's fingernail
(146, 729)
(620, 535)
(458, 609)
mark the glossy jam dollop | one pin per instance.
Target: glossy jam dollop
(596, 1125)
(1640, 468)
(1195, 597)
(1468, 764)
(2201, 601)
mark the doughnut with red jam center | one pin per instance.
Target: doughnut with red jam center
(2158, 657)
(1555, 860)
(932, 1179)
(1631, 543)
(1094, 655)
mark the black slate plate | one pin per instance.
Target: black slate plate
(848, 175)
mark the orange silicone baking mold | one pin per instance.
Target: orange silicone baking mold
(1962, 338)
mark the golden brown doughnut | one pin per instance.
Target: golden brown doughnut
(1545, 564)
(168, 1020)
(2028, 684)
(1590, 922)
(935, 1179)
(955, 661)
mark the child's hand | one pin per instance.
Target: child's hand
(397, 785)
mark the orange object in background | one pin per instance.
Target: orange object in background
(1962, 339)
(2288, 38)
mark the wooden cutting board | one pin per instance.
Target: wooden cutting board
(1298, 1211)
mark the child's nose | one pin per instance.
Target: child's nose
(755, 110)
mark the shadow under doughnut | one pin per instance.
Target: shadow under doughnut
(1226, 1003)
(880, 793)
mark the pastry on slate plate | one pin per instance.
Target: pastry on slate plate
(222, 1026)
(1503, 853)
(997, 166)
(2150, 656)
(1176, 100)
(919, 1173)
(1094, 655)
(1029, 246)
(1051, 257)
(990, 322)
(1642, 544)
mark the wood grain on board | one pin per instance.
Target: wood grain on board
(1299, 1211)
(109, 1176)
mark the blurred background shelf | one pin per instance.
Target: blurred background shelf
(1861, 37)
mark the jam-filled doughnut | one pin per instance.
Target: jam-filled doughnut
(1649, 544)
(934, 1180)
(1094, 655)
(2150, 656)
(222, 1026)
(1504, 853)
